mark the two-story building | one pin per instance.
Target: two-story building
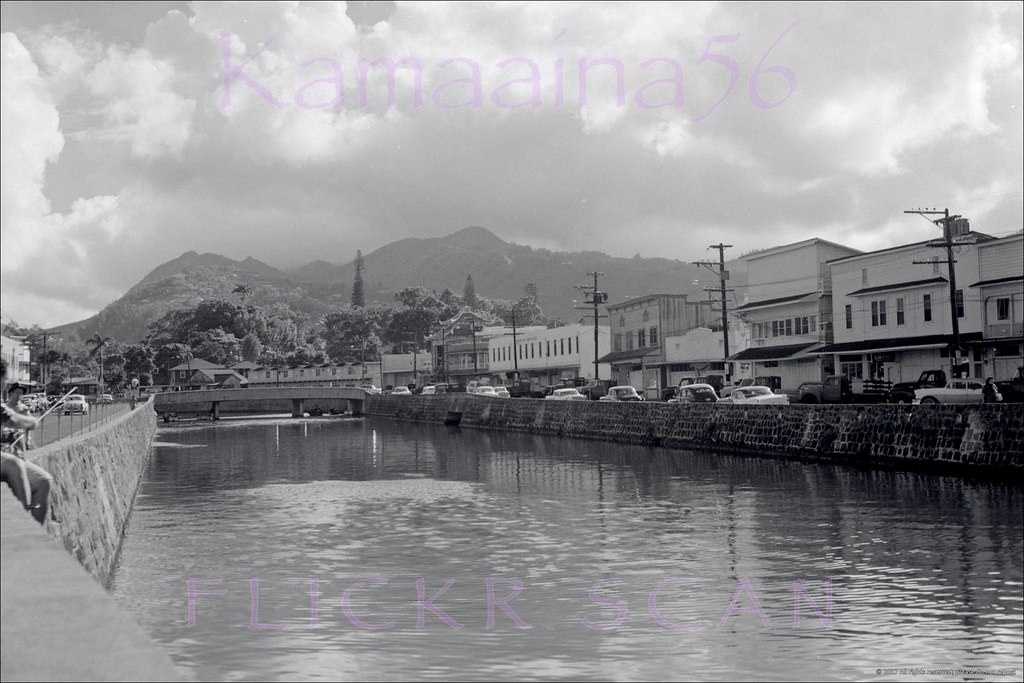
(460, 351)
(548, 354)
(893, 309)
(638, 327)
(998, 289)
(698, 355)
(18, 357)
(788, 312)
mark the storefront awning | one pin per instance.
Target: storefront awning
(931, 341)
(773, 352)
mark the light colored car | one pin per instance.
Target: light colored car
(105, 398)
(429, 390)
(485, 391)
(755, 395)
(370, 389)
(502, 392)
(695, 393)
(567, 394)
(401, 391)
(622, 393)
(955, 391)
(76, 403)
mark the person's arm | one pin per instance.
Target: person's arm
(17, 420)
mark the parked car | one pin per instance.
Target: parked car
(502, 392)
(728, 389)
(904, 392)
(622, 393)
(429, 390)
(401, 391)
(695, 393)
(485, 391)
(76, 403)
(955, 391)
(567, 394)
(596, 389)
(755, 395)
(105, 399)
(370, 389)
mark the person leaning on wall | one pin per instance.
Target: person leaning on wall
(29, 482)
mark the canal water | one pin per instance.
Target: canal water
(324, 549)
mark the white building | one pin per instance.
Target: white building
(698, 354)
(548, 354)
(788, 313)
(18, 357)
(998, 288)
(893, 313)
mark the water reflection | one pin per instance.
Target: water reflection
(616, 562)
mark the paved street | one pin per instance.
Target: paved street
(56, 425)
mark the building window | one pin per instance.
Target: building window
(629, 341)
(268, 374)
(789, 328)
(958, 297)
(775, 328)
(877, 313)
(1002, 309)
(548, 345)
(849, 316)
(654, 336)
(641, 338)
(814, 324)
(284, 374)
(863, 277)
(927, 308)
(616, 342)
(900, 319)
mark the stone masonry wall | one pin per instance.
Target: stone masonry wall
(979, 437)
(95, 477)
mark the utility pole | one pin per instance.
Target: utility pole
(947, 241)
(723, 275)
(515, 350)
(594, 297)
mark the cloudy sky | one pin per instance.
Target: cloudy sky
(133, 132)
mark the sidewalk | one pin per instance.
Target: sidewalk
(56, 622)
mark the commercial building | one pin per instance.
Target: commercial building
(546, 355)
(788, 312)
(638, 328)
(893, 309)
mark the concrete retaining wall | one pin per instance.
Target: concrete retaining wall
(95, 477)
(979, 437)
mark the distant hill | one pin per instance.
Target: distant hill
(500, 270)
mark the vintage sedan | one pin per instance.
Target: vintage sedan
(502, 392)
(755, 395)
(76, 403)
(485, 391)
(401, 391)
(566, 394)
(695, 393)
(955, 391)
(623, 393)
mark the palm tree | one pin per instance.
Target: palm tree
(98, 342)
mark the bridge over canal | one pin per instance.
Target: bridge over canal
(257, 400)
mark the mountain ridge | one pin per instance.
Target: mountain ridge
(500, 270)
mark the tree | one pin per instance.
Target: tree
(251, 347)
(242, 291)
(469, 293)
(358, 297)
(98, 342)
(351, 333)
(138, 362)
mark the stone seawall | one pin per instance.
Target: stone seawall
(979, 437)
(95, 477)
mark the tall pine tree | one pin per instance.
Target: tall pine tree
(469, 293)
(358, 297)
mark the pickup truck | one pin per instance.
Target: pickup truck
(524, 388)
(839, 389)
(903, 392)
